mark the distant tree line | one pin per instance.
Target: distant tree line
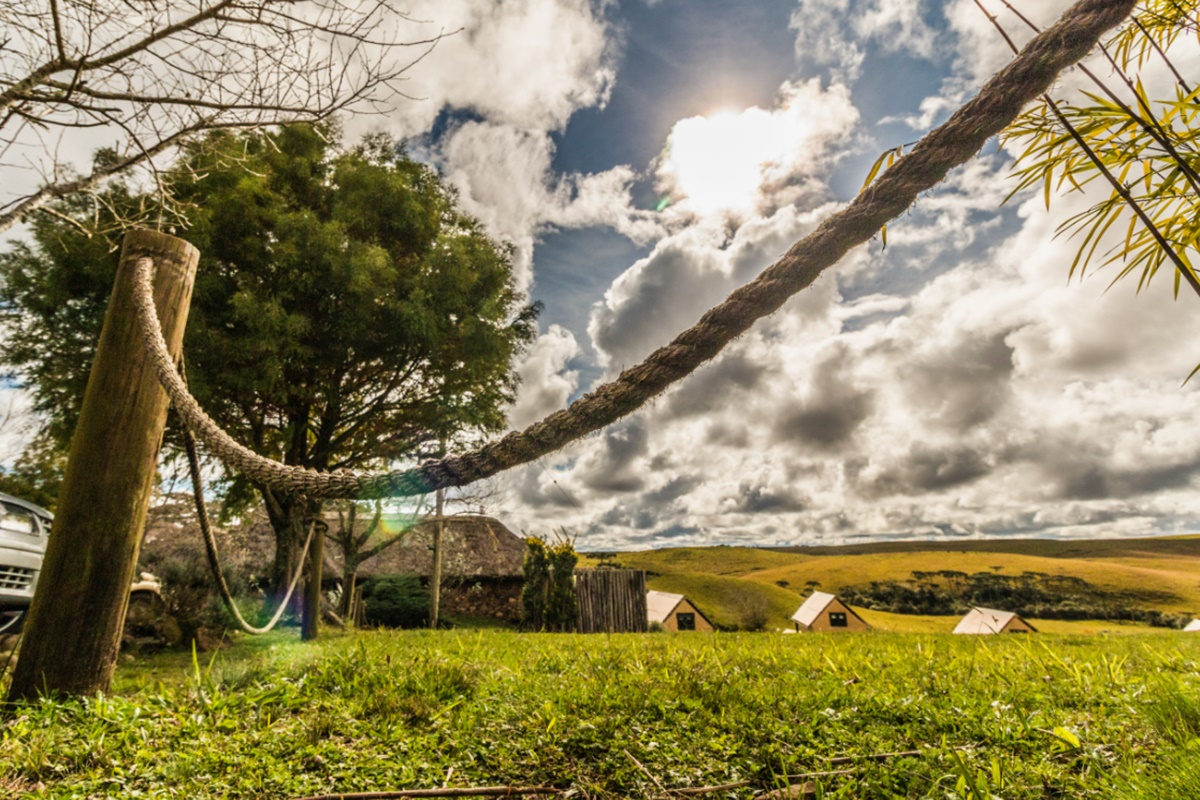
(1030, 594)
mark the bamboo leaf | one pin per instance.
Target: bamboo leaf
(1191, 375)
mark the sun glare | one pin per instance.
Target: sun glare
(720, 162)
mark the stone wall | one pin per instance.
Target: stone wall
(495, 598)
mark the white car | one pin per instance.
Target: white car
(24, 530)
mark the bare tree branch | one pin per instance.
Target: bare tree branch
(156, 74)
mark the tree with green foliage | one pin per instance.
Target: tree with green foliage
(346, 313)
(37, 473)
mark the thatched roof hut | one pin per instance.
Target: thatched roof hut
(472, 547)
(173, 547)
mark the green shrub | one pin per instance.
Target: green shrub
(561, 607)
(396, 601)
(754, 612)
(548, 594)
(537, 583)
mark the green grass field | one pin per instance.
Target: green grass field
(630, 716)
(1081, 709)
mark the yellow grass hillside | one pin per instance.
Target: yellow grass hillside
(1161, 573)
(1179, 579)
(914, 623)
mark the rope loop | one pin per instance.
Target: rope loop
(214, 561)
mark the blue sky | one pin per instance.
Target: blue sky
(953, 385)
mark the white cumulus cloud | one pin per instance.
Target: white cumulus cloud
(546, 383)
(529, 63)
(506, 179)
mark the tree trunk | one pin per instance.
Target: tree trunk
(74, 625)
(287, 515)
(435, 579)
(439, 529)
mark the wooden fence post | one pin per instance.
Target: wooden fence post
(360, 611)
(435, 577)
(310, 618)
(73, 628)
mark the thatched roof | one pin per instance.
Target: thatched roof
(473, 547)
(174, 540)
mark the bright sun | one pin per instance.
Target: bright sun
(720, 162)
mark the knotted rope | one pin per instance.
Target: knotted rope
(954, 142)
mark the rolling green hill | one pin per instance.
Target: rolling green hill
(733, 585)
(731, 602)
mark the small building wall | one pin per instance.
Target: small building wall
(701, 623)
(824, 623)
(496, 598)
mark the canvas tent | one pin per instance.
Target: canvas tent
(1193, 626)
(823, 612)
(989, 620)
(675, 613)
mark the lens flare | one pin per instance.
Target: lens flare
(733, 162)
(720, 162)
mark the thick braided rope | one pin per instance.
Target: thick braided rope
(949, 145)
(234, 455)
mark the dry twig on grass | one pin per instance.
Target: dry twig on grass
(467, 791)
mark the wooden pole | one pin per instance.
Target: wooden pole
(311, 617)
(360, 611)
(73, 631)
(435, 580)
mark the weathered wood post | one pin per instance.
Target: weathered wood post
(435, 576)
(73, 629)
(310, 618)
